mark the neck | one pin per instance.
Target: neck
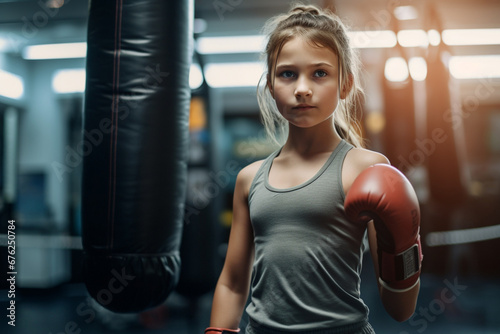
(305, 141)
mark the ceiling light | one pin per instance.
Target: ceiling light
(199, 26)
(403, 13)
(55, 51)
(231, 44)
(475, 67)
(413, 38)
(69, 81)
(234, 74)
(418, 68)
(434, 37)
(11, 85)
(372, 39)
(396, 69)
(471, 36)
(195, 76)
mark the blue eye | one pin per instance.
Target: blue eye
(320, 73)
(287, 74)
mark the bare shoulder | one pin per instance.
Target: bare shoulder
(357, 160)
(246, 175)
(360, 158)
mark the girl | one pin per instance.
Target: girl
(290, 238)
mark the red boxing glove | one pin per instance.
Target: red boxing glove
(383, 193)
(215, 330)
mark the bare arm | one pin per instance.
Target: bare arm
(232, 288)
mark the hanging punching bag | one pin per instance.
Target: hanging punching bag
(136, 137)
(399, 134)
(445, 127)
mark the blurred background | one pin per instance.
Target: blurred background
(431, 74)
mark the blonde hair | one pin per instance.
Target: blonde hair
(322, 28)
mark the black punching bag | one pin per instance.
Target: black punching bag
(136, 139)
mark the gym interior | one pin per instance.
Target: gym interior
(431, 80)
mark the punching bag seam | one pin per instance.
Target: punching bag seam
(114, 120)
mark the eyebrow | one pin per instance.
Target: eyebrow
(321, 64)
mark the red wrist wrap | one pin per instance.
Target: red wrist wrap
(217, 330)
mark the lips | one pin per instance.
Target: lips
(303, 106)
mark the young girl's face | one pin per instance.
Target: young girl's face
(306, 83)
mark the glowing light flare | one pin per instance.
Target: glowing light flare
(434, 37)
(11, 85)
(372, 39)
(418, 68)
(361, 39)
(413, 38)
(456, 237)
(3, 44)
(55, 51)
(231, 44)
(195, 76)
(375, 122)
(396, 69)
(475, 67)
(199, 26)
(404, 13)
(69, 81)
(471, 36)
(244, 74)
(54, 3)
(197, 114)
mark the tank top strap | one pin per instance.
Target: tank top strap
(334, 170)
(264, 167)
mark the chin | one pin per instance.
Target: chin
(308, 123)
(304, 125)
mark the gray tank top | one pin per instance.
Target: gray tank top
(306, 273)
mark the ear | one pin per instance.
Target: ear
(346, 88)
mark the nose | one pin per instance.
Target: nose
(303, 88)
